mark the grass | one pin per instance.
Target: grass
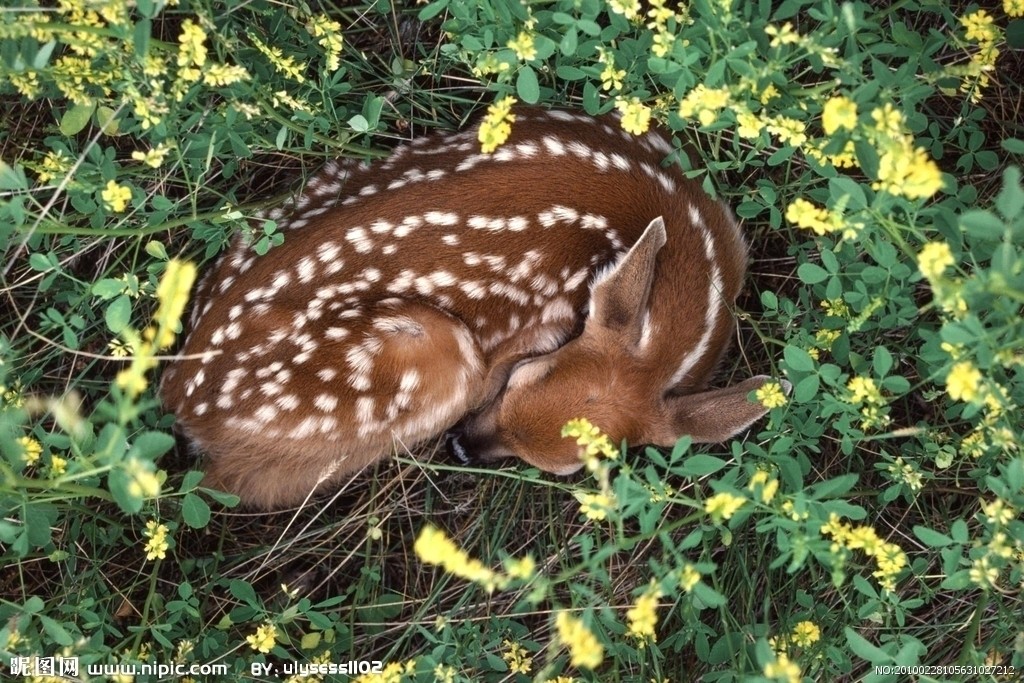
(904, 422)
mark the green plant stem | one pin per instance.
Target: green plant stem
(972, 630)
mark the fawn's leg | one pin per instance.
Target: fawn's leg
(306, 404)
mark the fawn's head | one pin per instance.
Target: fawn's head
(610, 375)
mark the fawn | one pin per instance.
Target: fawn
(567, 274)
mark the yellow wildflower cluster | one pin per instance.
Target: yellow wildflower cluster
(515, 656)
(642, 617)
(591, 440)
(264, 639)
(704, 104)
(964, 382)
(284, 64)
(31, 450)
(172, 295)
(154, 158)
(889, 558)
(790, 131)
(979, 28)
(392, 673)
(765, 485)
(689, 577)
(524, 46)
(595, 506)
(810, 216)
(783, 669)
(864, 392)
(804, 634)
(497, 125)
(784, 35)
(330, 38)
(839, 113)
(771, 395)
(660, 15)
(908, 171)
(115, 196)
(156, 543)
(433, 546)
(627, 8)
(723, 506)
(906, 473)
(55, 165)
(143, 483)
(58, 466)
(13, 395)
(584, 649)
(998, 551)
(636, 116)
(611, 78)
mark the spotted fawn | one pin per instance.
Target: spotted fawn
(567, 274)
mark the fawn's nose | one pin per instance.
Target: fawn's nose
(454, 442)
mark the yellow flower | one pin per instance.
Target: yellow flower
(58, 466)
(839, 112)
(595, 506)
(264, 639)
(1013, 8)
(979, 26)
(30, 449)
(156, 546)
(627, 8)
(933, 260)
(723, 506)
(688, 577)
(782, 669)
(782, 36)
(515, 657)
(497, 125)
(524, 46)
(191, 51)
(433, 546)
(172, 293)
(220, 75)
(963, 383)
(283, 63)
(636, 116)
(998, 512)
(643, 615)
(908, 171)
(154, 158)
(807, 215)
(523, 568)
(116, 197)
(704, 103)
(54, 165)
(768, 94)
(767, 485)
(584, 649)
(748, 125)
(888, 120)
(982, 573)
(806, 633)
(662, 43)
(864, 390)
(790, 131)
(771, 395)
(331, 39)
(143, 482)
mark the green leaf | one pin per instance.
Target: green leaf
(107, 121)
(359, 124)
(195, 511)
(699, 465)
(983, 225)
(831, 488)
(1013, 145)
(811, 273)
(806, 389)
(151, 445)
(76, 118)
(846, 189)
(932, 538)
(432, 10)
(865, 650)
(882, 361)
(118, 313)
(1015, 34)
(244, 592)
(1010, 199)
(798, 359)
(191, 480)
(527, 86)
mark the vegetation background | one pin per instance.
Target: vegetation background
(872, 150)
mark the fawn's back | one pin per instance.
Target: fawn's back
(523, 288)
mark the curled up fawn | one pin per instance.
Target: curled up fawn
(565, 275)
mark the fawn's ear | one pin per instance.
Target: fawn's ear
(618, 301)
(712, 416)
